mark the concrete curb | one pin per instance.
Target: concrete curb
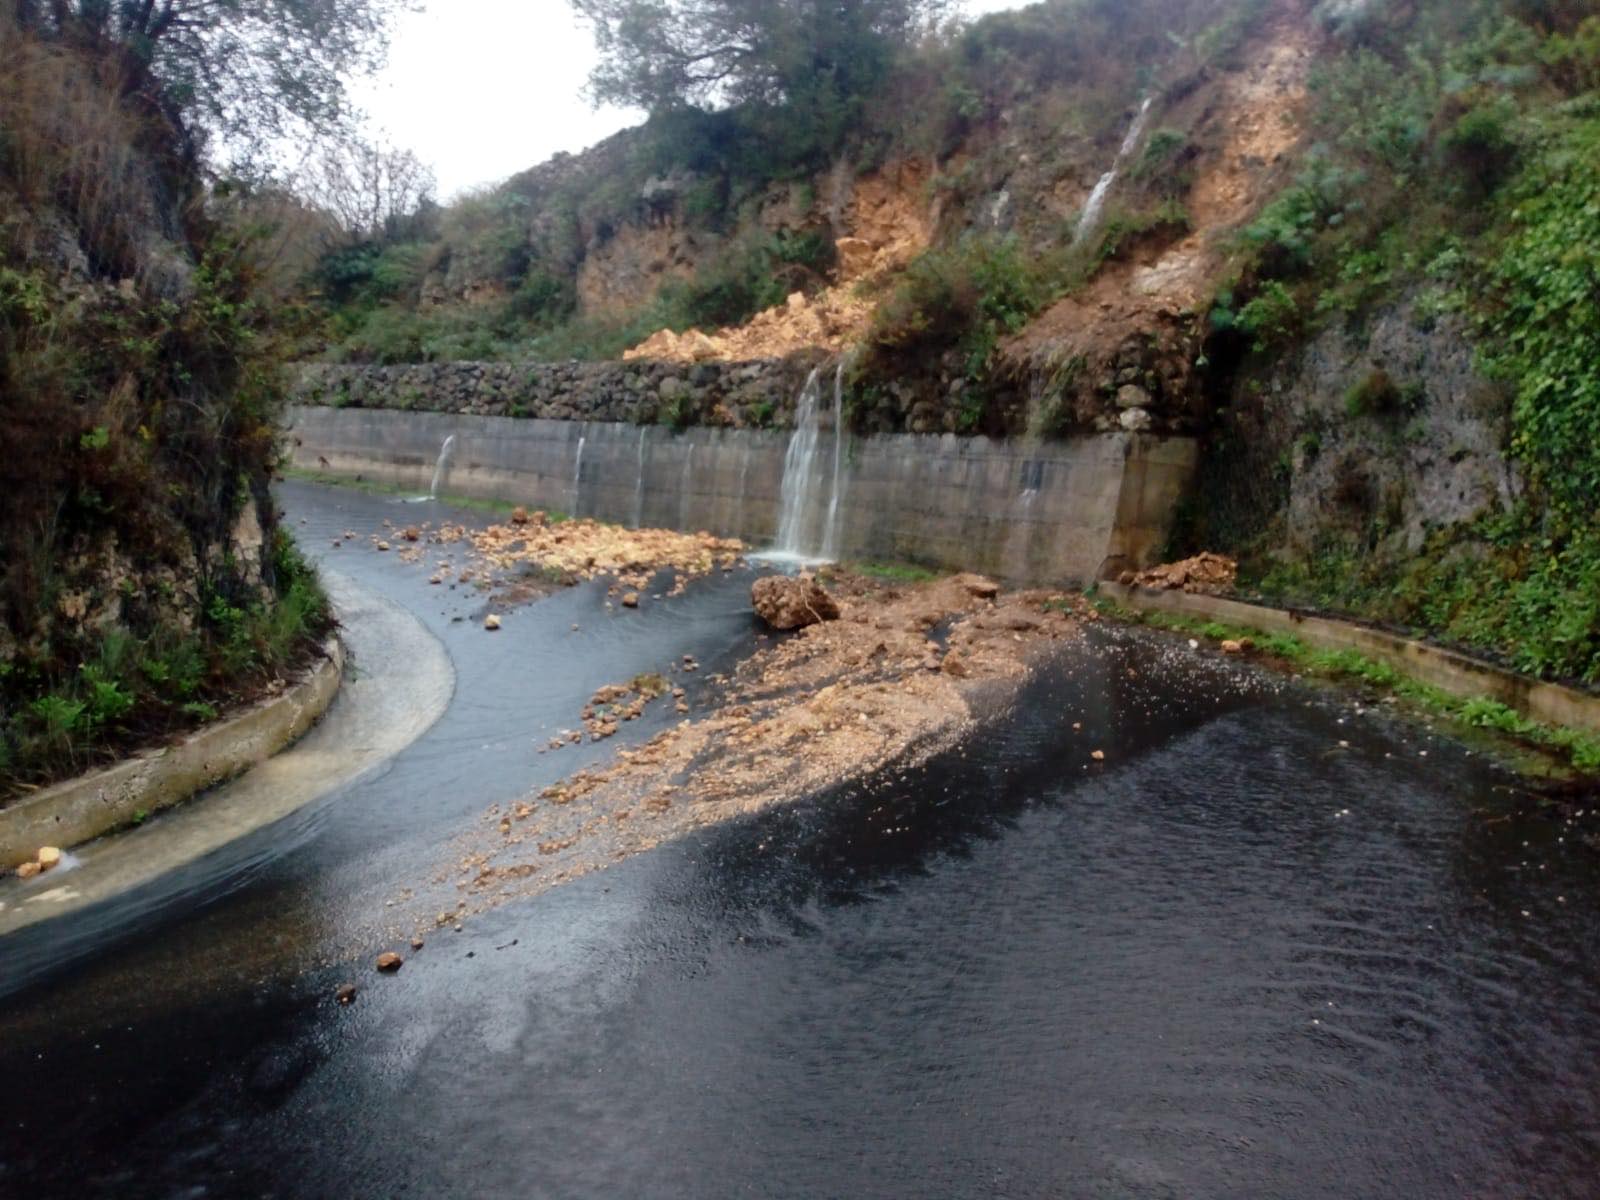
(1449, 670)
(82, 809)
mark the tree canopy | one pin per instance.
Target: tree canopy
(246, 69)
(661, 54)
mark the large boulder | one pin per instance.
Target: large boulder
(792, 603)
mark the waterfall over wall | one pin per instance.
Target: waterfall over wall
(441, 466)
(1053, 512)
(808, 520)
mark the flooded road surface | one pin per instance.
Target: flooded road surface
(1270, 948)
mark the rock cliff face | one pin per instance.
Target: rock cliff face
(1378, 435)
(140, 563)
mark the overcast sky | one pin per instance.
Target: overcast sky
(481, 89)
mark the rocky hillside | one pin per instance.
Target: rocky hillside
(1348, 243)
(144, 583)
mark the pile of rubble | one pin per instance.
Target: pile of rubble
(1207, 574)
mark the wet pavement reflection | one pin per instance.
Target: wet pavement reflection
(1267, 948)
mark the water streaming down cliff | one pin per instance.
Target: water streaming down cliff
(1092, 210)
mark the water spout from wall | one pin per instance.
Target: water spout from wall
(797, 496)
(812, 485)
(638, 482)
(830, 529)
(683, 488)
(577, 480)
(1089, 222)
(441, 466)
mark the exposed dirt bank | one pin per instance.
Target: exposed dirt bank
(887, 223)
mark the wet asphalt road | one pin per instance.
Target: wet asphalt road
(1238, 960)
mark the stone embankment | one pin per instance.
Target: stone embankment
(721, 395)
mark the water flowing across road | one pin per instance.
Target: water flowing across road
(1270, 948)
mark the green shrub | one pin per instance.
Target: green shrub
(1573, 60)
(1481, 145)
(544, 300)
(1269, 318)
(968, 294)
(1542, 333)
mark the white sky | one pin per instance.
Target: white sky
(482, 89)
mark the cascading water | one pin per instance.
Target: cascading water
(744, 480)
(1090, 220)
(798, 493)
(638, 482)
(1000, 210)
(809, 511)
(683, 488)
(830, 530)
(441, 466)
(577, 480)
(1021, 522)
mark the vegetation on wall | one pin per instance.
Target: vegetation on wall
(1456, 162)
(143, 582)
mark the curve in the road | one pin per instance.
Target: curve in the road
(372, 720)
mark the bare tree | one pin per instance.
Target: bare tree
(372, 190)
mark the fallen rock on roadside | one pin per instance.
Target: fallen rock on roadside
(787, 603)
(1205, 574)
(978, 585)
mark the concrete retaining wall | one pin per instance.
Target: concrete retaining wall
(81, 810)
(1065, 512)
(1448, 670)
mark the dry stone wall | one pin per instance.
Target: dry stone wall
(732, 395)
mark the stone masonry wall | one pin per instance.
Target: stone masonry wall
(741, 395)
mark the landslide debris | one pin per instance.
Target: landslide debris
(889, 222)
(786, 603)
(533, 545)
(901, 675)
(1206, 574)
